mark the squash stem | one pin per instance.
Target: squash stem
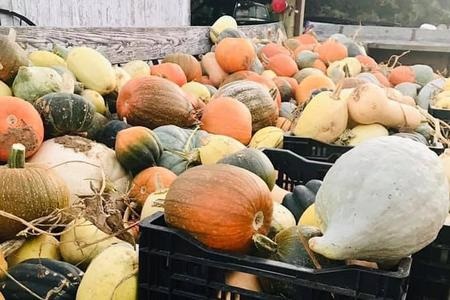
(264, 245)
(16, 159)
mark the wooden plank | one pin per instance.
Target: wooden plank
(125, 44)
(100, 13)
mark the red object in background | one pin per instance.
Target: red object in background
(279, 6)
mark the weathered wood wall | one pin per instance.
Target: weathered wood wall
(99, 13)
(125, 44)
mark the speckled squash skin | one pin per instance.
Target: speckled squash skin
(381, 201)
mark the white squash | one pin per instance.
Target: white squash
(197, 90)
(122, 77)
(42, 58)
(80, 161)
(222, 23)
(92, 69)
(42, 246)
(267, 137)
(4, 89)
(74, 242)
(137, 68)
(217, 147)
(96, 99)
(381, 201)
(153, 203)
(445, 158)
(32, 83)
(107, 276)
(324, 119)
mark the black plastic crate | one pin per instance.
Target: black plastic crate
(294, 169)
(175, 266)
(430, 271)
(319, 151)
(442, 114)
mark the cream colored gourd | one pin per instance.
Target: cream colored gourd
(154, 203)
(353, 65)
(137, 68)
(31, 83)
(381, 201)
(107, 277)
(198, 90)
(83, 242)
(42, 246)
(224, 22)
(122, 77)
(92, 69)
(324, 119)
(267, 137)
(369, 104)
(282, 218)
(96, 99)
(80, 162)
(269, 74)
(217, 147)
(4, 89)
(362, 133)
(42, 58)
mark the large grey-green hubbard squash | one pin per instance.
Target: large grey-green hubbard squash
(382, 201)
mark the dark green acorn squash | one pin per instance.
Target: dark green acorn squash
(301, 198)
(97, 125)
(48, 278)
(107, 135)
(137, 148)
(255, 161)
(180, 147)
(65, 113)
(287, 247)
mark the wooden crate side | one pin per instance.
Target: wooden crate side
(129, 43)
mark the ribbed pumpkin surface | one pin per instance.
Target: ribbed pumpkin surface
(223, 206)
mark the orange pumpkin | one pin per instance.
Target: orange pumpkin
(228, 116)
(148, 181)
(153, 101)
(281, 64)
(331, 51)
(284, 124)
(367, 62)
(401, 74)
(235, 54)
(311, 83)
(221, 205)
(320, 65)
(189, 64)
(272, 49)
(170, 71)
(307, 39)
(19, 123)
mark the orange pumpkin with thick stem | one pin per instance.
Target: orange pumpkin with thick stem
(148, 181)
(188, 63)
(235, 54)
(401, 74)
(227, 116)
(222, 206)
(310, 84)
(331, 51)
(281, 64)
(170, 71)
(19, 123)
(272, 49)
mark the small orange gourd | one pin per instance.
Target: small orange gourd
(170, 71)
(235, 54)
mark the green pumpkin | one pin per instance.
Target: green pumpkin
(137, 148)
(65, 113)
(180, 147)
(255, 161)
(301, 197)
(42, 276)
(287, 247)
(98, 123)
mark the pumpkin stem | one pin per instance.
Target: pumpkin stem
(337, 93)
(16, 159)
(265, 246)
(188, 142)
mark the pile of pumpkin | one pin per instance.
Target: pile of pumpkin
(183, 137)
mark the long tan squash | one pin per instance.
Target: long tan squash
(369, 104)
